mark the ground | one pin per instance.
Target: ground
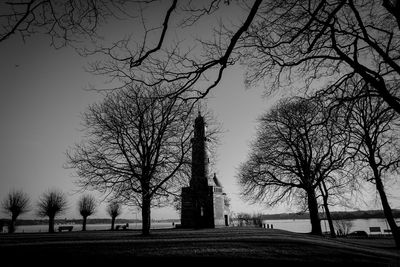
(232, 245)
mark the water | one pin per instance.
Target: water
(299, 225)
(78, 227)
(304, 225)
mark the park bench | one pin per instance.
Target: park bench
(375, 230)
(67, 228)
(123, 226)
(387, 231)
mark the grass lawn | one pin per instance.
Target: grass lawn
(225, 246)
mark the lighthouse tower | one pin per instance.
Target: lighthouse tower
(200, 160)
(203, 201)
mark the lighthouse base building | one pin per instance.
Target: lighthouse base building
(203, 202)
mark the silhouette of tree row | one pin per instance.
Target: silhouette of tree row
(344, 215)
(51, 204)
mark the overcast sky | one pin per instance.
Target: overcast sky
(42, 97)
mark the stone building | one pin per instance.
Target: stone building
(203, 202)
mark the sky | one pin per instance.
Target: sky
(42, 97)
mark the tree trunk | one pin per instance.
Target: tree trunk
(112, 223)
(387, 209)
(51, 224)
(385, 203)
(84, 223)
(324, 193)
(313, 209)
(11, 227)
(329, 218)
(146, 214)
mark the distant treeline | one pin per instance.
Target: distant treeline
(72, 221)
(346, 215)
(79, 221)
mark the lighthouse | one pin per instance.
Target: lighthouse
(200, 158)
(203, 201)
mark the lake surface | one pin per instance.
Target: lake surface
(298, 225)
(304, 225)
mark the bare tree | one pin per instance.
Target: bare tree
(51, 204)
(86, 206)
(246, 219)
(65, 22)
(374, 128)
(151, 57)
(296, 148)
(333, 191)
(325, 196)
(340, 188)
(136, 148)
(114, 209)
(342, 225)
(327, 41)
(169, 60)
(243, 218)
(15, 203)
(281, 42)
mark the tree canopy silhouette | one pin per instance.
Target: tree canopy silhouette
(15, 203)
(373, 126)
(136, 148)
(297, 146)
(283, 43)
(114, 209)
(86, 206)
(51, 204)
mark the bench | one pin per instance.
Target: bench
(122, 226)
(67, 228)
(375, 230)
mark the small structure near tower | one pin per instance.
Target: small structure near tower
(203, 202)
